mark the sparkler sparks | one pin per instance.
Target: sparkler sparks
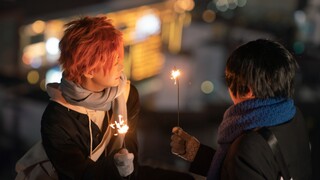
(120, 126)
(175, 73)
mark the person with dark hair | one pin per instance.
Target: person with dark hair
(263, 134)
(78, 139)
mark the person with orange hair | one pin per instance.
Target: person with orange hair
(93, 93)
(76, 127)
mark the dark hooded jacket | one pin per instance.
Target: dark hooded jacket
(66, 139)
(250, 157)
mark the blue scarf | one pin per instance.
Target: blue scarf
(244, 116)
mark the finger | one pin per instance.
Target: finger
(178, 150)
(184, 135)
(176, 129)
(128, 159)
(177, 139)
(123, 151)
(119, 163)
(130, 156)
(124, 158)
(180, 132)
(177, 146)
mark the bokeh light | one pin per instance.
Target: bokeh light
(207, 87)
(38, 26)
(33, 77)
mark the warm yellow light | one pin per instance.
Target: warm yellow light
(35, 50)
(43, 85)
(33, 77)
(209, 16)
(175, 73)
(181, 6)
(38, 26)
(26, 59)
(121, 126)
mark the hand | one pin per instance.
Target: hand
(124, 162)
(184, 145)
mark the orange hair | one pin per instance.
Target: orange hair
(87, 44)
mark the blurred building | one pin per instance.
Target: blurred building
(149, 28)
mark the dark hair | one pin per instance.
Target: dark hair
(264, 66)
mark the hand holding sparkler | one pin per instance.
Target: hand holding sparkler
(183, 144)
(124, 162)
(123, 159)
(175, 73)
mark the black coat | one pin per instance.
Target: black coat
(249, 156)
(66, 139)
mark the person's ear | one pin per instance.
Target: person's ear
(88, 74)
(249, 95)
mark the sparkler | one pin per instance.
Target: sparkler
(175, 73)
(121, 128)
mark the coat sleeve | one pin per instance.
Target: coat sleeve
(202, 161)
(249, 157)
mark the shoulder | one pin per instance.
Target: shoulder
(133, 90)
(249, 156)
(133, 96)
(62, 123)
(54, 108)
(57, 114)
(248, 145)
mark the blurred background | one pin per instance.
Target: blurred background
(195, 36)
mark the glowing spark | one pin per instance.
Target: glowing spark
(121, 126)
(175, 73)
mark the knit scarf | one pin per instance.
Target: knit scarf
(244, 116)
(76, 95)
(103, 101)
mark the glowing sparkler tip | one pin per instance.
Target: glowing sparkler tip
(175, 73)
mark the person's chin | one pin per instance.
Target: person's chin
(116, 84)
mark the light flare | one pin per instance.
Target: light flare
(120, 126)
(175, 73)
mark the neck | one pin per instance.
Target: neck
(90, 85)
